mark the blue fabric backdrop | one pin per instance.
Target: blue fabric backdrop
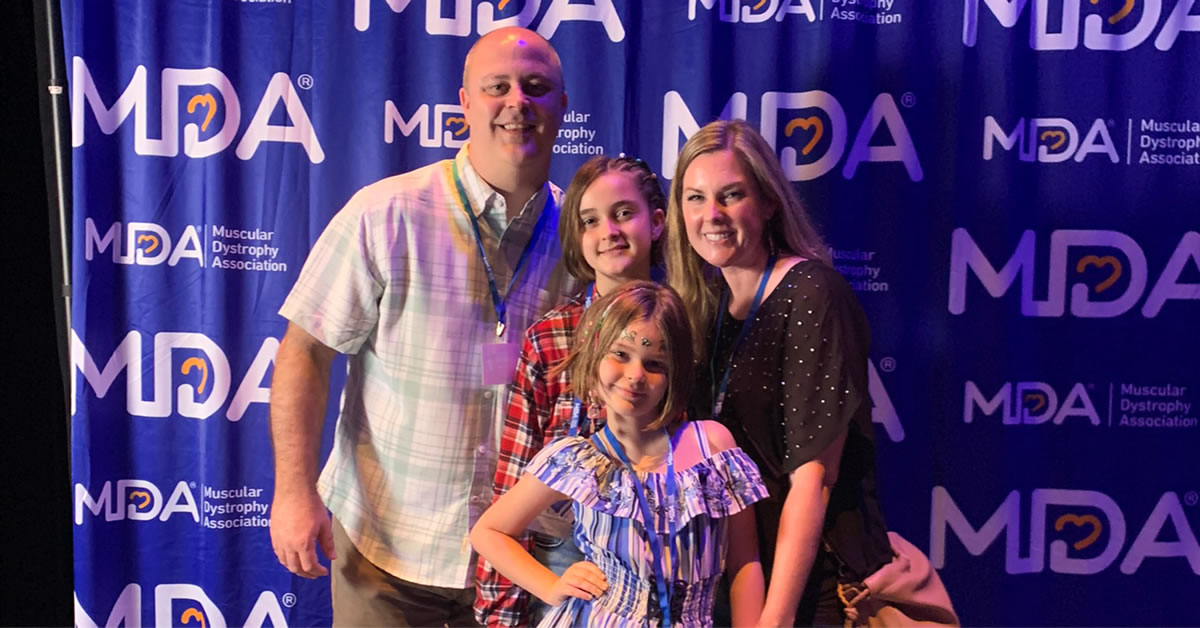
(1010, 186)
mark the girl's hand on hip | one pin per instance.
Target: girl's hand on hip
(583, 580)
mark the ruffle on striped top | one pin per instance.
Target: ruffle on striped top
(610, 530)
(720, 485)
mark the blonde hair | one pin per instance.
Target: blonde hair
(603, 323)
(570, 224)
(789, 228)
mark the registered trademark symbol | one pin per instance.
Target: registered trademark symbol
(304, 81)
(888, 364)
(192, 484)
(1111, 122)
(908, 99)
(289, 599)
(1191, 498)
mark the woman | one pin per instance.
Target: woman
(783, 365)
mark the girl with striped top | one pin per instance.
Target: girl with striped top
(611, 229)
(661, 505)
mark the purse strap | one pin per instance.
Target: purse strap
(850, 592)
(850, 595)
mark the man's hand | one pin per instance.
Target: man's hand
(299, 393)
(298, 523)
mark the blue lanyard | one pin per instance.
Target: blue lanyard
(719, 394)
(660, 568)
(499, 302)
(576, 405)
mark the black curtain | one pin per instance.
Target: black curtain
(35, 501)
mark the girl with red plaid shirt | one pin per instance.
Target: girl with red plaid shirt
(611, 228)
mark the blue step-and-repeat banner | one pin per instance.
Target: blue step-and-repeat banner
(1011, 186)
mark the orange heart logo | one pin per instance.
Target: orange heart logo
(190, 614)
(151, 238)
(1085, 520)
(460, 120)
(811, 122)
(1061, 135)
(1037, 396)
(1101, 262)
(210, 106)
(197, 363)
(1124, 12)
(145, 498)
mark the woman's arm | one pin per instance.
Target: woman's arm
(742, 567)
(800, 528)
(746, 585)
(493, 537)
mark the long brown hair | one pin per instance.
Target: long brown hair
(789, 227)
(570, 225)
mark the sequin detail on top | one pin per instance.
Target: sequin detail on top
(610, 529)
(808, 362)
(812, 335)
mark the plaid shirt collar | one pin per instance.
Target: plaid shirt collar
(484, 198)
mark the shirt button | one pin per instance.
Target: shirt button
(475, 499)
(487, 394)
(482, 449)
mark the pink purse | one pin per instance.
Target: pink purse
(904, 592)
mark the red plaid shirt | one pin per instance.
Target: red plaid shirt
(539, 411)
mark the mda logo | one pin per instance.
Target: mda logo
(142, 243)
(809, 129)
(445, 128)
(1090, 526)
(135, 500)
(192, 363)
(1049, 140)
(754, 12)
(202, 106)
(1118, 280)
(489, 17)
(181, 604)
(1029, 403)
(1115, 24)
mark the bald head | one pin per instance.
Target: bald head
(513, 101)
(508, 38)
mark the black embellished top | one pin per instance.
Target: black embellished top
(797, 382)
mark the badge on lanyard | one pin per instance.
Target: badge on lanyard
(500, 358)
(499, 362)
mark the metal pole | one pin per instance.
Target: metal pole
(56, 155)
(55, 111)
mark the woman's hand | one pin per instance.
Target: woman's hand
(583, 580)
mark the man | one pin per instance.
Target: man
(426, 280)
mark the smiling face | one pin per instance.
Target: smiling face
(723, 212)
(632, 376)
(512, 98)
(618, 229)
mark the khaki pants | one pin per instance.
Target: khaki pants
(365, 595)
